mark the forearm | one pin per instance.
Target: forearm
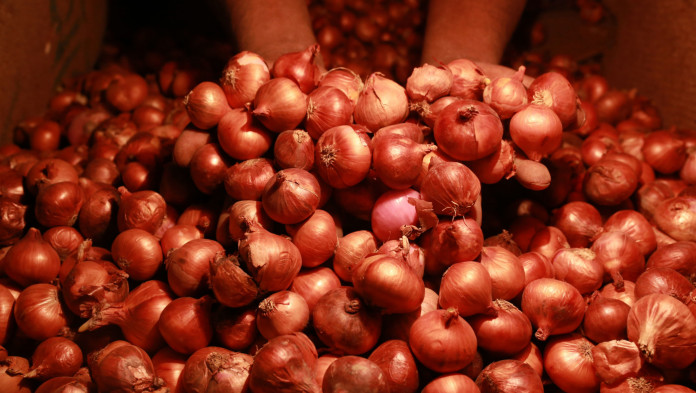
(473, 29)
(270, 28)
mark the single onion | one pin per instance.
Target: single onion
(443, 341)
(531, 174)
(281, 313)
(246, 180)
(680, 256)
(452, 187)
(396, 160)
(507, 95)
(55, 357)
(395, 359)
(661, 326)
(351, 250)
(97, 219)
(187, 143)
(185, 324)
(496, 166)
(605, 319)
(536, 130)
(663, 280)
(216, 369)
(294, 149)
(620, 257)
(327, 107)
(469, 80)
(555, 91)
(121, 366)
(343, 156)
(547, 241)
(509, 375)
(231, 285)
(677, 217)
(315, 238)
(144, 210)
(616, 360)
(381, 102)
(531, 355)
(636, 226)
(291, 196)
(235, 329)
(313, 283)
(242, 76)
(241, 137)
(506, 272)
(568, 363)
(578, 267)
(354, 374)
(91, 283)
(554, 307)
(206, 104)
(138, 253)
(188, 267)
(625, 294)
(280, 104)
(177, 236)
(31, 260)
(391, 211)
(468, 130)
(344, 79)
(609, 182)
(299, 66)
(344, 323)
(169, 366)
(247, 211)
(580, 222)
(451, 383)
(285, 364)
(507, 332)
(11, 378)
(664, 151)
(388, 283)
(40, 312)
(451, 242)
(59, 204)
(428, 83)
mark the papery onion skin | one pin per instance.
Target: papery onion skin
(580, 222)
(506, 333)
(138, 253)
(282, 312)
(662, 328)
(615, 360)
(506, 271)
(663, 280)
(389, 284)
(344, 323)
(451, 383)
(509, 375)
(235, 329)
(620, 256)
(241, 137)
(554, 307)
(452, 187)
(55, 357)
(292, 372)
(315, 238)
(381, 102)
(396, 361)
(280, 104)
(451, 242)
(351, 250)
(291, 196)
(242, 76)
(443, 341)
(568, 362)
(185, 324)
(677, 217)
(579, 267)
(246, 180)
(40, 312)
(469, 80)
(327, 107)
(536, 130)
(354, 374)
(342, 156)
(121, 366)
(169, 365)
(391, 211)
(231, 285)
(636, 226)
(468, 130)
(605, 319)
(555, 91)
(188, 267)
(31, 260)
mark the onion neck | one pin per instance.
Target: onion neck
(450, 316)
(467, 114)
(352, 307)
(106, 314)
(542, 333)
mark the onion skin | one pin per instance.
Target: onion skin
(242, 76)
(55, 357)
(354, 374)
(467, 287)
(443, 330)
(185, 324)
(605, 319)
(568, 362)
(616, 360)
(680, 256)
(389, 284)
(554, 307)
(291, 196)
(509, 376)
(677, 217)
(381, 102)
(351, 250)
(398, 365)
(282, 312)
(121, 366)
(506, 333)
(468, 130)
(40, 312)
(660, 325)
(31, 260)
(451, 383)
(343, 156)
(285, 364)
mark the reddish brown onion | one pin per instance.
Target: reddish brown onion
(554, 307)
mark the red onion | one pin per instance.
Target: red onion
(663, 280)
(616, 360)
(298, 66)
(451, 383)
(620, 257)
(506, 272)
(294, 149)
(532, 356)
(185, 324)
(11, 375)
(91, 283)
(327, 107)
(59, 204)
(494, 167)
(247, 179)
(241, 137)
(555, 91)
(138, 253)
(215, 369)
(636, 226)
(660, 325)
(188, 267)
(7, 323)
(46, 172)
(452, 187)
(55, 357)
(507, 332)
(242, 76)
(137, 316)
(509, 375)
(680, 256)
(391, 211)
(664, 151)
(291, 196)
(531, 174)
(609, 182)
(547, 241)
(580, 222)
(450, 242)
(469, 80)
(428, 83)
(231, 285)
(535, 266)
(554, 307)
(206, 104)
(388, 283)
(235, 329)
(121, 366)
(144, 210)
(605, 319)
(177, 236)
(280, 104)
(313, 283)
(443, 341)
(676, 217)
(343, 322)
(343, 156)
(247, 211)
(578, 267)
(315, 238)
(381, 102)
(31, 260)
(40, 312)
(506, 95)
(536, 130)
(344, 79)
(468, 130)
(281, 313)
(285, 364)
(398, 365)
(568, 363)
(396, 160)
(97, 219)
(351, 250)
(625, 294)
(354, 374)
(169, 366)
(271, 259)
